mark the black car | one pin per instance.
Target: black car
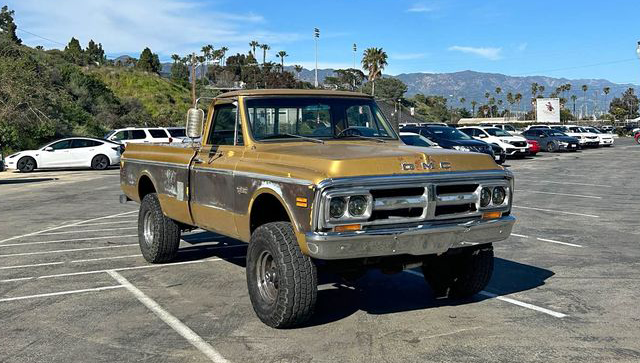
(451, 138)
(552, 140)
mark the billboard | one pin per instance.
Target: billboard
(548, 109)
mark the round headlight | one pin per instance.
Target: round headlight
(485, 197)
(337, 207)
(357, 205)
(498, 195)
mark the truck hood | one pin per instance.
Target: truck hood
(317, 162)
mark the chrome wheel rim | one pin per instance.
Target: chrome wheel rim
(147, 226)
(267, 277)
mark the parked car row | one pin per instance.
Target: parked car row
(86, 152)
(502, 140)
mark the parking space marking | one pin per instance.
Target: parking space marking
(571, 183)
(69, 250)
(105, 223)
(67, 225)
(523, 304)
(548, 240)
(66, 240)
(175, 323)
(93, 272)
(557, 211)
(452, 333)
(87, 231)
(507, 299)
(69, 292)
(32, 265)
(564, 194)
(105, 258)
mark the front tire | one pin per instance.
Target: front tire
(99, 162)
(462, 274)
(26, 164)
(158, 235)
(282, 281)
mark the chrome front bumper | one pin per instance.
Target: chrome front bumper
(421, 240)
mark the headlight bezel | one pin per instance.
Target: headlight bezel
(346, 216)
(508, 193)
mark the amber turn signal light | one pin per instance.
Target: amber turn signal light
(491, 215)
(348, 228)
(301, 202)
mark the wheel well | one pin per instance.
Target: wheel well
(266, 209)
(145, 186)
(30, 157)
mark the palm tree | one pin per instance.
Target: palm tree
(373, 61)
(584, 101)
(498, 90)
(265, 48)
(518, 98)
(534, 89)
(574, 98)
(175, 58)
(473, 106)
(541, 90)
(281, 54)
(606, 91)
(253, 44)
(298, 68)
(462, 101)
(510, 100)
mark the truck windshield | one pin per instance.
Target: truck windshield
(272, 118)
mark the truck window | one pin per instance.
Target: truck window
(121, 135)
(223, 128)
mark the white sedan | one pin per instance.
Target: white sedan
(512, 145)
(77, 152)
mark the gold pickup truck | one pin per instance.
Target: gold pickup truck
(319, 179)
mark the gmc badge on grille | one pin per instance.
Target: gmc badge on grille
(408, 166)
(445, 165)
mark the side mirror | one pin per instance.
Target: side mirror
(195, 119)
(482, 136)
(543, 135)
(48, 148)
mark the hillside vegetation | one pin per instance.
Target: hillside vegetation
(43, 96)
(166, 102)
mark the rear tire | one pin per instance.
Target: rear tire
(551, 147)
(99, 162)
(26, 164)
(158, 235)
(282, 281)
(460, 275)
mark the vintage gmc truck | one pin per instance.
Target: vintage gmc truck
(314, 179)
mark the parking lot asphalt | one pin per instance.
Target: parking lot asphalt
(566, 285)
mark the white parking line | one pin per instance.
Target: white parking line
(548, 240)
(62, 293)
(105, 258)
(33, 265)
(67, 225)
(92, 272)
(105, 223)
(507, 299)
(564, 194)
(66, 240)
(180, 328)
(523, 304)
(557, 211)
(69, 250)
(86, 231)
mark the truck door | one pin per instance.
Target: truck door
(212, 181)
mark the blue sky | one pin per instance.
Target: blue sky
(572, 39)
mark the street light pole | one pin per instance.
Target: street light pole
(355, 49)
(316, 35)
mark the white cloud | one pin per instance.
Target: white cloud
(485, 52)
(407, 56)
(419, 8)
(522, 47)
(166, 26)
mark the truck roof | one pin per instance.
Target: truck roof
(291, 92)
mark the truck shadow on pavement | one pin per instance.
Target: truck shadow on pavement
(25, 180)
(375, 293)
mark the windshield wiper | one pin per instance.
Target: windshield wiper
(275, 136)
(361, 137)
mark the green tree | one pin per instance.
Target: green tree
(95, 53)
(349, 79)
(298, 68)
(148, 62)
(253, 44)
(574, 98)
(474, 103)
(386, 88)
(7, 25)
(584, 99)
(373, 61)
(606, 91)
(265, 48)
(73, 52)
(625, 106)
(281, 54)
